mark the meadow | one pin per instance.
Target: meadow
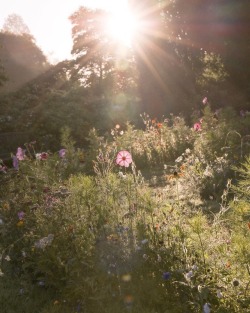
(149, 220)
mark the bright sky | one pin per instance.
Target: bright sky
(48, 21)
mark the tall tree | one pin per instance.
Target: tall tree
(166, 79)
(21, 59)
(14, 24)
(92, 48)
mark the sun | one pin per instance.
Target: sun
(122, 25)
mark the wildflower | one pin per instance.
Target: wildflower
(44, 242)
(197, 126)
(20, 223)
(182, 168)
(187, 151)
(3, 169)
(205, 101)
(15, 162)
(42, 156)
(20, 215)
(121, 175)
(166, 275)
(21, 291)
(128, 299)
(126, 278)
(121, 132)
(7, 258)
(117, 126)
(62, 153)
(206, 308)
(41, 283)
(20, 154)
(123, 158)
(179, 159)
(219, 294)
(189, 275)
(159, 125)
(242, 113)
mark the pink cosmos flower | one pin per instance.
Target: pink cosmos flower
(20, 154)
(197, 126)
(123, 158)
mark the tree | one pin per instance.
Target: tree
(92, 49)
(98, 63)
(21, 59)
(166, 79)
(14, 24)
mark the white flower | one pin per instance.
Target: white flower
(179, 159)
(44, 242)
(194, 267)
(187, 151)
(208, 172)
(219, 294)
(121, 132)
(121, 175)
(206, 308)
(165, 166)
(189, 275)
(7, 258)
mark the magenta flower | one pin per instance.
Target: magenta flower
(20, 154)
(204, 101)
(197, 126)
(62, 153)
(123, 158)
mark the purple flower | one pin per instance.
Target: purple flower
(62, 153)
(166, 275)
(20, 154)
(15, 162)
(204, 101)
(20, 215)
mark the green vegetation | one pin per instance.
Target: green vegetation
(168, 233)
(111, 200)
